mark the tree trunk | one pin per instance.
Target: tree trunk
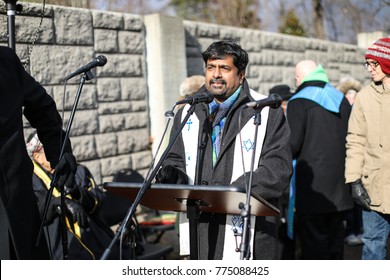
(79, 3)
(318, 15)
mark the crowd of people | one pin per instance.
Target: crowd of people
(322, 158)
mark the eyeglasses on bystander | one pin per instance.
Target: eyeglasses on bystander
(373, 64)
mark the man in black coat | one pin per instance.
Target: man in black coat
(318, 117)
(19, 216)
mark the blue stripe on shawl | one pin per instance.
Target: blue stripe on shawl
(328, 97)
(291, 203)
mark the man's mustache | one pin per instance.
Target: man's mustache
(221, 81)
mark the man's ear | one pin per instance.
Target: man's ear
(242, 77)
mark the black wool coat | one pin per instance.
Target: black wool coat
(22, 95)
(318, 143)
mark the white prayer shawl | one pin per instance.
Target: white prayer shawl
(190, 137)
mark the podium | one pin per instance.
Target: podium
(193, 199)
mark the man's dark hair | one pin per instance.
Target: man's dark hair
(220, 49)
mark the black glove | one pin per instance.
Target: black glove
(54, 209)
(76, 212)
(65, 172)
(360, 195)
(171, 175)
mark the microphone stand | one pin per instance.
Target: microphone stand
(146, 184)
(64, 233)
(246, 208)
(11, 11)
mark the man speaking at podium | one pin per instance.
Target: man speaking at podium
(214, 146)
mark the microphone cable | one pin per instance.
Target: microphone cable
(39, 30)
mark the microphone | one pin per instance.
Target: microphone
(98, 61)
(273, 100)
(204, 96)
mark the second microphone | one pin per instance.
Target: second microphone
(100, 60)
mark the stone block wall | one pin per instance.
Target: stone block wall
(147, 58)
(110, 130)
(273, 56)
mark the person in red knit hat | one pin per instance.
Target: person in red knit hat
(368, 152)
(378, 54)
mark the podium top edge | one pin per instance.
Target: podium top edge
(175, 187)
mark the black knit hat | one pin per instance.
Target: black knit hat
(283, 91)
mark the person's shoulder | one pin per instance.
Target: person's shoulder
(368, 90)
(6, 52)
(4, 49)
(8, 57)
(367, 86)
(299, 103)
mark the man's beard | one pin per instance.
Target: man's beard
(220, 90)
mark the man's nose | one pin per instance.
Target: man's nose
(217, 72)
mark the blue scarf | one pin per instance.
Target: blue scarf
(328, 97)
(218, 112)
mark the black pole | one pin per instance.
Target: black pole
(246, 208)
(11, 11)
(64, 232)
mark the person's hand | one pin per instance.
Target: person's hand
(65, 171)
(76, 213)
(360, 195)
(171, 175)
(53, 210)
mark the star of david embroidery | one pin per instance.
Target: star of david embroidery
(237, 223)
(248, 145)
